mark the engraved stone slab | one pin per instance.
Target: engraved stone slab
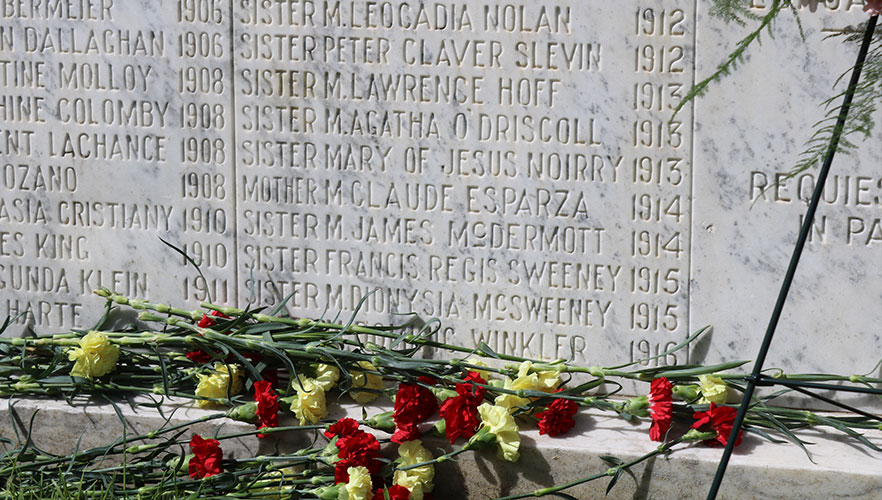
(505, 167)
(512, 168)
(750, 134)
(117, 132)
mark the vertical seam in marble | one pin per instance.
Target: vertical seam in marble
(691, 224)
(233, 158)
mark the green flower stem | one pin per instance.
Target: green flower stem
(810, 377)
(804, 418)
(264, 483)
(289, 460)
(263, 430)
(672, 372)
(588, 401)
(335, 329)
(256, 343)
(439, 459)
(111, 448)
(663, 448)
(273, 430)
(358, 329)
(116, 338)
(53, 388)
(205, 484)
(194, 315)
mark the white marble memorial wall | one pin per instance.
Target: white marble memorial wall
(509, 167)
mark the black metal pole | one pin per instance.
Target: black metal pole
(794, 260)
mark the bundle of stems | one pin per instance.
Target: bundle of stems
(166, 353)
(154, 466)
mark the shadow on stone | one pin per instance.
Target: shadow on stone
(645, 481)
(699, 348)
(531, 467)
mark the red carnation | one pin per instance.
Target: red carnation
(407, 431)
(344, 427)
(267, 405)
(395, 493)
(461, 417)
(558, 418)
(720, 419)
(413, 405)
(357, 449)
(207, 457)
(200, 356)
(661, 397)
(469, 387)
(208, 321)
(461, 412)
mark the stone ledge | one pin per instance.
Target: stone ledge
(842, 468)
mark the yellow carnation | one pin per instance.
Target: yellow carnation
(95, 356)
(309, 404)
(367, 381)
(227, 380)
(548, 380)
(326, 376)
(359, 486)
(499, 421)
(545, 381)
(483, 373)
(713, 390)
(418, 481)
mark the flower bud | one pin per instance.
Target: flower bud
(328, 492)
(637, 406)
(175, 462)
(138, 448)
(331, 450)
(443, 393)
(382, 421)
(697, 435)
(440, 428)
(244, 413)
(686, 392)
(482, 439)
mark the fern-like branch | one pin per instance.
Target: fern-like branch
(860, 119)
(734, 11)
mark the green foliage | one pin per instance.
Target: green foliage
(735, 11)
(859, 122)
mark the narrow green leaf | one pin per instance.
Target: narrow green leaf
(613, 481)
(191, 262)
(485, 349)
